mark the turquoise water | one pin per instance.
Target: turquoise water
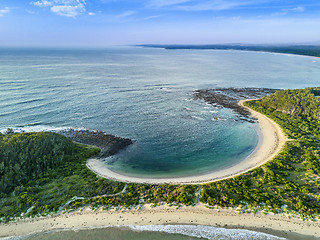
(146, 95)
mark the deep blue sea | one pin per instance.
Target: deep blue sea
(145, 94)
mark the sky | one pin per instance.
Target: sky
(122, 22)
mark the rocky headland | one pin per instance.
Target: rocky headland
(108, 143)
(229, 98)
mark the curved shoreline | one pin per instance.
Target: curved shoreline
(270, 143)
(281, 224)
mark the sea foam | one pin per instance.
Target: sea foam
(206, 232)
(196, 231)
(37, 128)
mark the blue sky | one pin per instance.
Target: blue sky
(114, 22)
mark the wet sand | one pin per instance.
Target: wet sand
(278, 224)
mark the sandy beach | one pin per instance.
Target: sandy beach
(271, 140)
(278, 224)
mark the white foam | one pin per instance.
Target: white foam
(206, 232)
(198, 231)
(14, 238)
(198, 118)
(37, 128)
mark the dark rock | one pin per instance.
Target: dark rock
(108, 143)
(229, 98)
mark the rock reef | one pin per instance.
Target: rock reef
(108, 143)
(229, 98)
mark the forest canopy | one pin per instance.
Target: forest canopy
(28, 156)
(298, 102)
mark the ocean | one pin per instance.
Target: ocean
(154, 232)
(145, 94)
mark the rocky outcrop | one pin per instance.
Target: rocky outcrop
(108, 143)
(229, 98)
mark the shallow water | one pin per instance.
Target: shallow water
(146, 95)
(155, 232)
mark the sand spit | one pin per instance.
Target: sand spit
(271, 140)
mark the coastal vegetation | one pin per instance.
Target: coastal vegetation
(57, 179)
(45, 173)
(292, 179)
(39, 172)
(29, 156)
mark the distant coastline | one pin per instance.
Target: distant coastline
(271, 141)
(305, 50)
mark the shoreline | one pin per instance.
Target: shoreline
(271, 141)
(278, 224)
(232, 49)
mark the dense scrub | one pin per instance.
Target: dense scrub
(301, 102)
(43, 171)
(27, 156)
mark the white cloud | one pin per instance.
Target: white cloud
(217, 5)
(164, 3)
(68, 11)
(30, 12)
(126, 14)
(205, 5)
(296, 9)
(289, 10)
(91, 13)
(210, 6)
(67, 8)
(4, 11)
(42, 3)
(150, 17)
